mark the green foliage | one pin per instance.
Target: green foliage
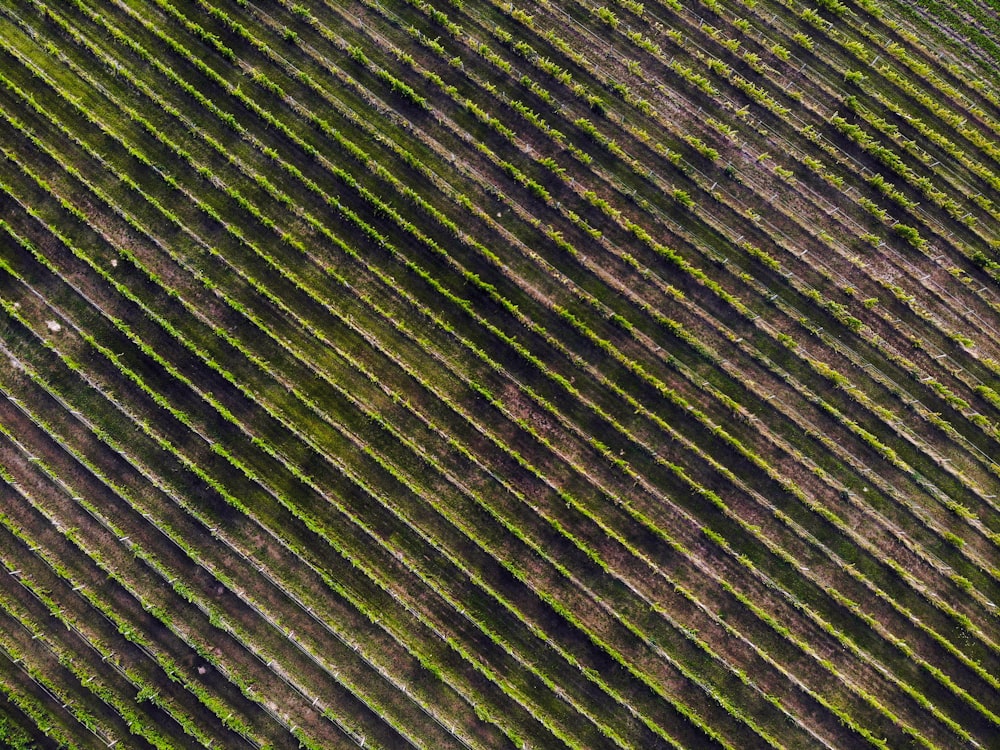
(803, 40)
(834, 6)
(781, 52)
(635, 8)
(682, 197)
(11, 736)
(701, 147)
(911, 235)
(606, 16)
(785, 174)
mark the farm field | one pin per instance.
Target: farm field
(463, 374)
